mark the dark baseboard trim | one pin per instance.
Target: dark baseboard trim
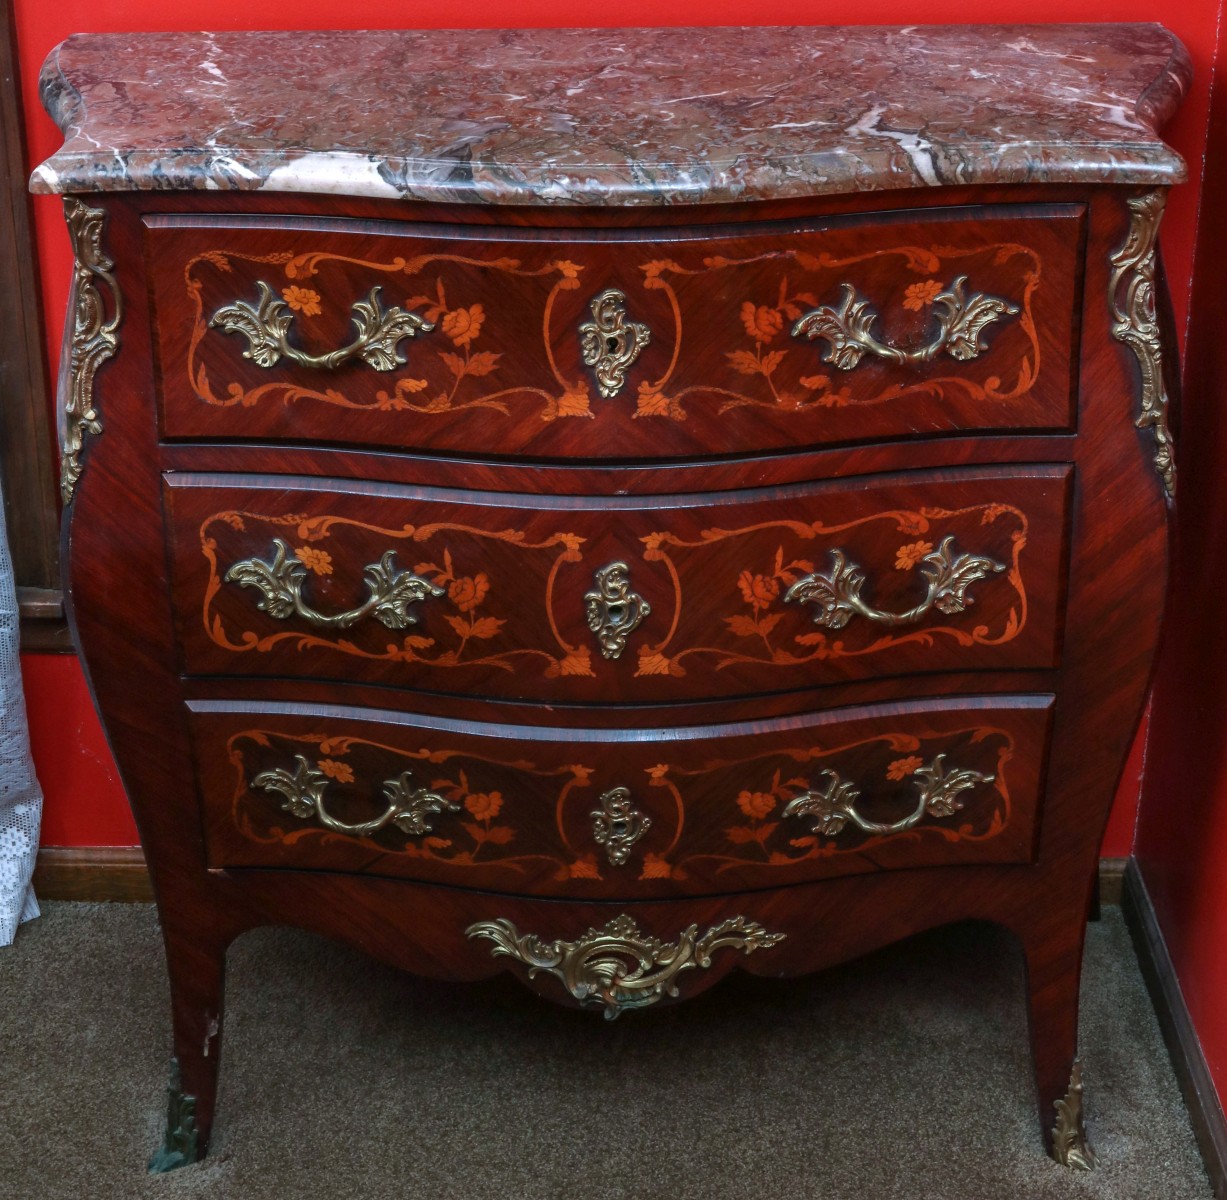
(1111, 879)
(1192, 1073)
(92, 873)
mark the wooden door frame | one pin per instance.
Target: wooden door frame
(27, 458)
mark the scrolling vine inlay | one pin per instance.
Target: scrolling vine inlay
(766, 380)
(458, 369)
(688, 840)
(766, 587)
(452, 640)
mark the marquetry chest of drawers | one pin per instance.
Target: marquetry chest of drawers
(618, 525)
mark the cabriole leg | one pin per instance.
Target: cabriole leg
(197, 975)
(1054, 968)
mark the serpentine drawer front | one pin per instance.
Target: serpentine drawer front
(594, 814)
(701, 341)
(527, 517)
(647, 598)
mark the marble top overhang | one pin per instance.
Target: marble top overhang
(615, 116)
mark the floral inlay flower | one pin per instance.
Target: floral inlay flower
(901, 768)
(906, 557)
(302, 300)
(762, 323)
(919, 295)
(341, 772)
(467, 592)
(484, 805)
(756, 805)
(758, 590)
(462, 325)
(319, 561)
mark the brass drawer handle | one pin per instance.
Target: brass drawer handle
(848, 329)
(835, 806)
(618, 825)
(837, 594)
(280, 585)
(610, 343)
(614, 611)
(303, 789)
(618, 967)
(266, 326)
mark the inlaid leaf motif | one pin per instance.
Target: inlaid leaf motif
(486, 627)
(745, 362)
(483, 362)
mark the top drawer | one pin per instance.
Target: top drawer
(760, 337)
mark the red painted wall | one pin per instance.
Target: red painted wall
(85, 805)
(1182, 831)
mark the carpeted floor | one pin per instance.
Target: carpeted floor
(905, 1075)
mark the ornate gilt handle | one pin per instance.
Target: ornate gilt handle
(618, 967)
(848, 329)
(618, 825)
(837, 594)
(266, 325)
(614, 611)
(610, 343)
(833, 807)
(280, 585)
(303, 792)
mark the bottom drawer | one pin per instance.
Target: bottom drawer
(622, 814)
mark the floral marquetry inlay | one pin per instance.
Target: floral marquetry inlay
(765, 371)
(458, 372)
(468, 630)
(757, 624)
(583, 820)
(318, 776)
(921, 784)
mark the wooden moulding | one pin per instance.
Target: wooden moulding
(26, 458)
(90, 873)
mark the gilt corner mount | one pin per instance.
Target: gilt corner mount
(94, 336)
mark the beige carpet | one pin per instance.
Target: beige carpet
(904, 1075)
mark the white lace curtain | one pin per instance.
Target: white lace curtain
(21, 799)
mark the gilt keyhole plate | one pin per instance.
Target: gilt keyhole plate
(611, 343)
(613, 610)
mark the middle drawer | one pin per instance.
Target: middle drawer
(607, 599)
